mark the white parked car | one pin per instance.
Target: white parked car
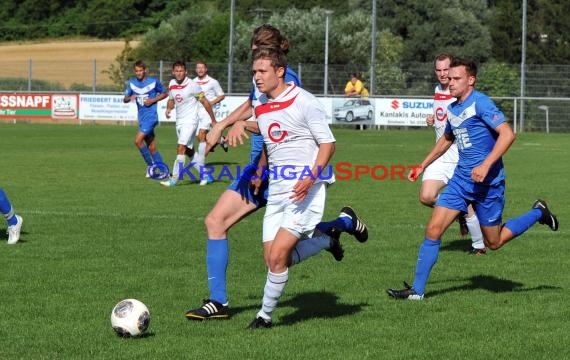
(354, 109)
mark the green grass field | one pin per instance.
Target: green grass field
(96, 231)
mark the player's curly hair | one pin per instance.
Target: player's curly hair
(268, 36)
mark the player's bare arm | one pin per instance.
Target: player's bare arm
(438, 149)
(208, 108)
(239, 131)
(149, 101)
(243, 112)
(169, 108)
(504, 142)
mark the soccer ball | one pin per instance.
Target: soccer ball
(130, 317)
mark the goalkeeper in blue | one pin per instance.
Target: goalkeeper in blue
(14, 221)
(482, 135)
(146, 92)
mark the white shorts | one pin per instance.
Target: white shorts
(299, 218)
(439, 170)
(186, 133)
(204, 121)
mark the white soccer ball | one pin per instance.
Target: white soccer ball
(130, 317)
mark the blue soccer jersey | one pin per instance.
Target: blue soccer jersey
(149, 88)
(473, 124)
(257, 139)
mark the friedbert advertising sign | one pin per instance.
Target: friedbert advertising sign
(38, 106)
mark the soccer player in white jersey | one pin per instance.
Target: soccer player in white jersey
(214, 94)
(185, 95)
(298, 142)
(437, 174)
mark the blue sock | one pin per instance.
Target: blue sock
(146, 154)
(156, 157)
(217, 263)
(6, 209)
(522, 223)
(427, 257)
(342, 223)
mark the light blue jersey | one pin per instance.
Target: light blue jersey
(473, 124)
(149, 88)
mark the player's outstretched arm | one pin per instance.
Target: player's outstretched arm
(438, 149)
(243, 112)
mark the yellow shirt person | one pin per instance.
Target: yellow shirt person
(355, 88)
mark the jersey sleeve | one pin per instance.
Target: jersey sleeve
(159, 88)
(128, 90)
(489, 112)
(318, 125)
(217, 88)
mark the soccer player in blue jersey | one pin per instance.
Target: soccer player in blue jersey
(14, 221)
(146, 91)
(242, 199)
(482, 136)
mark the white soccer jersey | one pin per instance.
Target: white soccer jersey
(212, 89)
(185, 100)
(441, 100)
(210, 86)
(292, 125)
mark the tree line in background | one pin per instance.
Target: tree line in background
(409, 33)
(416, 29)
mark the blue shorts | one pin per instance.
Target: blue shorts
(488, 200)
(147, 127)
(241, 186)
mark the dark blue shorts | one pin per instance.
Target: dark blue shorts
(241, 186)
(147, 128)
(487, 200)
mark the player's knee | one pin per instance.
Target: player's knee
(434, 231)
(493, 244)
(277, 262)
(215, 224)
(427, 200)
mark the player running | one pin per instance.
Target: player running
(146, 91)
(214, 95)
(185, 95)
(437, 174)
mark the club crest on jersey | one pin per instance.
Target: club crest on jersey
(275, 133)
(440, 114)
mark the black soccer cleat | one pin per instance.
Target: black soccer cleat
(335, 248)
(210, 310)
(547, 217)
(359, 229)
(405, 294)
(224, 144)
(259, 323)
(477, 252)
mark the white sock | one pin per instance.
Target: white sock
(178, 163)
(475, 231)
(199, 160)
(309, 247)
(273, 290)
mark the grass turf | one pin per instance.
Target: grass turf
(96, 231)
